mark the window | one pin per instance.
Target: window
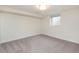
(55, 20)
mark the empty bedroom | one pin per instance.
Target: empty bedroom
(39, 29)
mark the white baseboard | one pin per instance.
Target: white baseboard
(27, 36)
(61, 38)
(35, 35)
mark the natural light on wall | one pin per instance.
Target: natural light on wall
(54, 21)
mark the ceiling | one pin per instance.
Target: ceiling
(52, 9)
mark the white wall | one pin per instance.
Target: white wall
(13, 26)
(69, 28)
(17, 26)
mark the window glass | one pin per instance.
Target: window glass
(55, 20)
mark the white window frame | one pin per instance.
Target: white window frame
(54, 21)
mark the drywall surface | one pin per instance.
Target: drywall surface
(13, 27)
(69, 28)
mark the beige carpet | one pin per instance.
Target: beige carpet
(39, 44)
